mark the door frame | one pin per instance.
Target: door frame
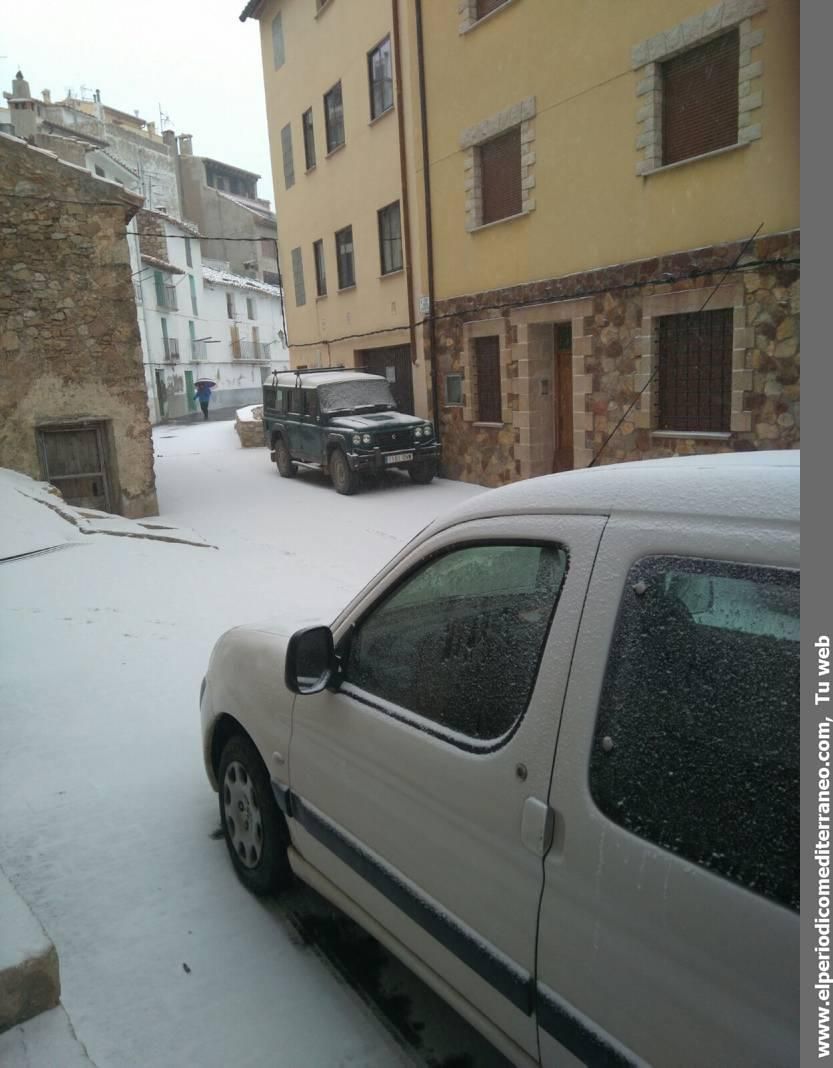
(101, 427)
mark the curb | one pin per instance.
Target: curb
(30, 981)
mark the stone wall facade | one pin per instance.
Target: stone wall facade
(613, 313)
(69, 339)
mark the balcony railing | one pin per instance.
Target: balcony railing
(171, 348)
(251, 350)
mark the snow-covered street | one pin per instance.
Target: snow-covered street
(108, 820)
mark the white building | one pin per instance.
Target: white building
(200, 321)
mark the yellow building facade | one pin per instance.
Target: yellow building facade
(581, 285)
(335, 144)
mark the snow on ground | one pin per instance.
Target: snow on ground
(107, 814)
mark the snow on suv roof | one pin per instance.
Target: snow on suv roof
(313, 379)
(750, 485)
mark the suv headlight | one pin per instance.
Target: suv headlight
(427, 430)
(418, 432)
(357, 439)
(366, 439)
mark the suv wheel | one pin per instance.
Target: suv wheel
(423, 472)
(253, 826)
(286, 468)
(344, 480)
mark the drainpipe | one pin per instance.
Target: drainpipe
(403, 173)
(429, 230)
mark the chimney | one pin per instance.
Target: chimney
(47, 96)
(169, 137)
(185, 148)
(20, 87)
(152, 129)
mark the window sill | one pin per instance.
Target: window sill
(320, 296)
(323, 8)
(392, 274)
(493, 426)
(697, 435)
(453, 404)
(491, 15)
(337, 148)
(346, 289)
(309, 170)
(695, 159)
(381, 115)
(498, 222)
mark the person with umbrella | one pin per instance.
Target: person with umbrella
(203, 394)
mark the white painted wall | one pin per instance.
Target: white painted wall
(238, 379)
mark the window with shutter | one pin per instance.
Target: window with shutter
(345, 258)
(381, 79)
(500, 176)
(278, 49)
(320, 270)
(309, 139)
(298, 278)
(487, 363)
(286, 151)
(334, 117)
(700, 99)
(695, 371)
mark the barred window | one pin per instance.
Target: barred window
(320, 270)
(390, 238)
(309, 139)
(700, 99)
(345, 258)
(500, 176)
(286, 151)
(334, 117)
(381, 79)
(298, 278)
(487, 360)
(695, 371)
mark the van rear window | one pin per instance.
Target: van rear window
(696, 746)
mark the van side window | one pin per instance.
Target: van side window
(696, 746)
(460, 640)
(310, 403)
(295, 405)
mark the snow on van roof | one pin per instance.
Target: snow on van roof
(313, 379)
(750, 485)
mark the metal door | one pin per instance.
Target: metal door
(393, 363)
(73, 460)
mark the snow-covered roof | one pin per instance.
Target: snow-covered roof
(323, 378)
(215, 277)
(131, 198)
(262, 211)
(749, 485)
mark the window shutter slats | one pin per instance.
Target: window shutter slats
(700, 99)
(500, 176)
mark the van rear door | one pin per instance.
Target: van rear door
(669, 920)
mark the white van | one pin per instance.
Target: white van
(549, 757)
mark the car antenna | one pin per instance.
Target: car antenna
(712, 292)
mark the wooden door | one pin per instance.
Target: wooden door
(563, 398)
(73, 460)
(393, 363)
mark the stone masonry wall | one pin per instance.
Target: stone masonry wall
(614, 356)
(69, 338)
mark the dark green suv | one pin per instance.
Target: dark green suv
(344, 422)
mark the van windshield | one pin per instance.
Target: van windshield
(351, 395)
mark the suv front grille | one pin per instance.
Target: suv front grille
(394, 439)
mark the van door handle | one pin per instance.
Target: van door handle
(537, 822)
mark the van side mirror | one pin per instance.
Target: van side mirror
(310, 660)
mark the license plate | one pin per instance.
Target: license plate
(398, 457)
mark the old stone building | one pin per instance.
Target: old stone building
(73, 405)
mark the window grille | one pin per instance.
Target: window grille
(487, 360)
(695, 370)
